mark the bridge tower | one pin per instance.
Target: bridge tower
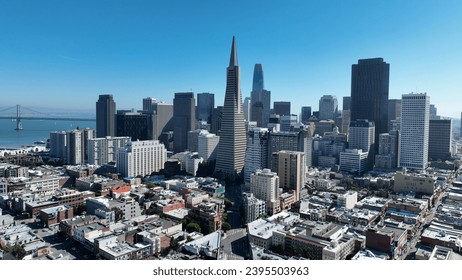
(18, 118)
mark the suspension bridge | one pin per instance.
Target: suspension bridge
(20, 113)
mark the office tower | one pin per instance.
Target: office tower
(327, 149)
(394, 111)
(287, 122)
(264, 184)
(184, 108)
(305, 114)
(290, 167)
(260, 98)
(136, 125)
(105, 116)
(433, 112)
(300, 141)
(328, 107)
(247, 104)
(256, 155)
(207, 146)
(149, 104)
(162, 119)
(217, 115)
(413, 144)
(281, 108)
(369, 93)
(324, 126)
(104, 150)
(346, 103)
(387, 157)
(361, 135)
(205, 105)
(58, 144)
(193, 139)
(439, 141)
(232, 145)
(74, 147)
(141, 158)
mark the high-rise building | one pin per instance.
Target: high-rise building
(388, 150)
(300, 141)
(207, 146)
(439, 141)
(328, 107)
(205, 105)
(256, 155)
(247, 104)
(433, 112)
(74, 147)
(290, 167)
(369, 93)
(287, 122)
(264, 184)
(162, 119)
(136, 125)
(254, 208)
(361, 135)
(260, 98)
(141, 158)
(354, 161)
(104, 150)
(346, 103)
(232, 145)
(281, 108)
(413, 144)
(87, 134)
(58, 144)
(305, 114)
(105, 116)
(148, 104)
(394, 111)
(217, 115)
(184, 119)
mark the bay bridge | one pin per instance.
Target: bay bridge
(20, 113)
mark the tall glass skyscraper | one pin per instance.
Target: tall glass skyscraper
(369, 93)
(184, 119)
(105, 116)
(205, 105)
(232, 145)
(260, 98)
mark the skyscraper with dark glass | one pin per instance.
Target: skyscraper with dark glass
(232, 145)
(260, 98)
(184, 118)
(369, 93)
(205, 105)
(105, 116)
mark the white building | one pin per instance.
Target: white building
(256, 155)
(104, 150)
(264, 184)
(348, 200)
(141, 158)
(415, 118)
(353, 161)
(361, 135)
(207, 144)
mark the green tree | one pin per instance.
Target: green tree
(225, 226)
(193, 227)
(18, 252)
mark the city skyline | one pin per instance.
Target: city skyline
(65, 55)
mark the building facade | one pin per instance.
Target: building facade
(141, 158)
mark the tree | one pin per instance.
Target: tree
(18, 252)
(193, 227)
(225, 226)
(119, 214)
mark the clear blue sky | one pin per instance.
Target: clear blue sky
(65, 53)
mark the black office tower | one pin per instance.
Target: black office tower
(369, 93)
(184, 118)
(105, 116)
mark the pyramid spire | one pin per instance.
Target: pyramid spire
(233, 59)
